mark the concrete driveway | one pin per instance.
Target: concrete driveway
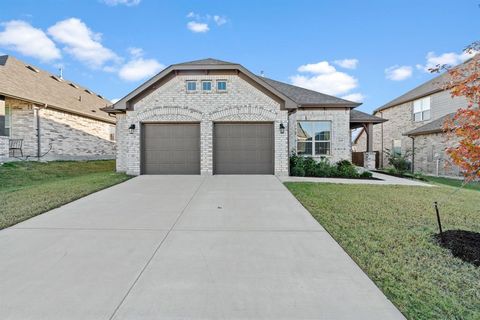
(183, 247)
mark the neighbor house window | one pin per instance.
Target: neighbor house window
(206, 85)
(421, 109)
(397, 148)
(5, 119)
(314, 138)
(221, 85)
(191, 86)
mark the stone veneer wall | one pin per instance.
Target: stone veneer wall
(340, 135)
(430, 154)
(171, 102)
(70, 136)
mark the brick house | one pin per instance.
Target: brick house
(53, 118)
(215, 117)
(415, 121)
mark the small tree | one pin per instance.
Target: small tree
(464, 126)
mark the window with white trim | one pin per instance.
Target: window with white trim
(221, 85)
(191, 86)
(421, 109)
(206, 85)
(314, 138)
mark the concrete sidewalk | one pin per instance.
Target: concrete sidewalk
(183, 247)
(383, 179)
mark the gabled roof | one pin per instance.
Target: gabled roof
(307, 97)
(293, 96)
(26, 82)
(207, 61)
(435, 126)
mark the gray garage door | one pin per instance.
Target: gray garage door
(171, 148)
(243, 148)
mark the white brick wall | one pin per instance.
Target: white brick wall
(170, 102)
(340, 135)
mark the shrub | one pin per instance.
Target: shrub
(309, 167)
(399, 162)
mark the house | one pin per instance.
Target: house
(415, 121)
(50, 118)
(215, 117)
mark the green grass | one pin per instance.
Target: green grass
(388, 231)
(453, 182)
(30, 188)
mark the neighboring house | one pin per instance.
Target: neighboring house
(214, 117)
(52, 118)
(414, 126)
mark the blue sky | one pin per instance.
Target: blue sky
(363, 50)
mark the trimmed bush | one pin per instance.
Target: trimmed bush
(309, 167)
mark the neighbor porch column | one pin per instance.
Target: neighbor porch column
(369, 157)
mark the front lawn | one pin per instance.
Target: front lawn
(30, 188)
(388, 231)
(453, 182)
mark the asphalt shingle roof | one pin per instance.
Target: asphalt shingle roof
(431, 127)
(207, 61)
(304, 96)
(23, 81)
(362, 117)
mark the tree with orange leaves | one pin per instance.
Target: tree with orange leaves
(464, 126)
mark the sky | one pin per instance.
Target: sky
(365, 51)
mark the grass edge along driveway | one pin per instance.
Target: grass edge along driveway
(30, 188)
(388, 231)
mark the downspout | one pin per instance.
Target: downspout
(413, 154)
(381, 143)
(37, 120)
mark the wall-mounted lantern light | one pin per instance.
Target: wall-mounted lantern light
(131, 128)
(282, 128)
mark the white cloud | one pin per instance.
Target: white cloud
(449, 58)
(139, 68)
(320, 67)
(82, 43)
(347, 63)
(355, 97)
(325, 79)
(198, 27)
(398, 73)
(128, 3)
(135, 52)
(20, 36)
(219, 20)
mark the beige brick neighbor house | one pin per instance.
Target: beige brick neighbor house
(215, 117)
(44, 116)
(414, 126)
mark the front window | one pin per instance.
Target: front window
(191, 86)
(206, 85)
(421, 109)
(314, 138)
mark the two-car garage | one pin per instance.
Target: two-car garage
(238, 148)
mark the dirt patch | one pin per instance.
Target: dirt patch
(462, 244)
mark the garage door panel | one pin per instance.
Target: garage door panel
(243, 148)
(171, 148)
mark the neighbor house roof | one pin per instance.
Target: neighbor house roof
(432, 86)
(435, 126)
(293, 96)
(26, 82)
